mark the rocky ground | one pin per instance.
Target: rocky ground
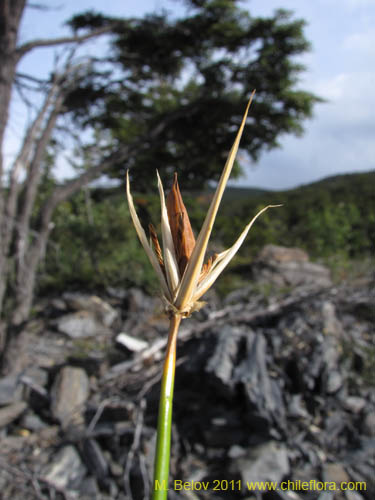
(274, 383)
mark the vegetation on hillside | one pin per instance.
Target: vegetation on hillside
(94, 244)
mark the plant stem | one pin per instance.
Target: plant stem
(163, 439)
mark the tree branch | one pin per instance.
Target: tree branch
(33, 44)
(21, 162)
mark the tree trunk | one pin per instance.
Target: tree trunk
(27, 274)
(10, 18)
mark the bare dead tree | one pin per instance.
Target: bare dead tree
(22, 244)
(21, 247)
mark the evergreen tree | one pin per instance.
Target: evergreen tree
(182, 85)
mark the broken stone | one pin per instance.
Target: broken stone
(352, 495)
(334, 382)
(266, 462)
(10, 390)
(262, 392)
(81, 324)
(11, 412)
(69, 394)
(37, 375)
(282, 254)
(221, 364)
(103, 312)
(369, 424)
(296, 408)
(331, 325)
(137, 301)
(354, 404)
(66, 471)
(325, 495)
(89, 489)
(289, 267)
(236, 451)
(95, 459)
(33, 422)
(58, 304)
(335, 473)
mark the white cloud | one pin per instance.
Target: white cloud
(363, 42)
(350, 97)
(355, 4)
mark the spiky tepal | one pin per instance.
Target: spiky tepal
(184, 276)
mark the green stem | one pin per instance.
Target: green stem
(163, 439)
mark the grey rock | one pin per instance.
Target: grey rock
(37, 375)
(33, 422)
(325, 495)
(66, 471)
(102, 311)
(89, 489)
(334, 382)
(335, 472)
(283, 266)
(266, 462)
(236, 451)
(282, 254)
(262, 392)
(69, 394)
(59, 304)
(354, 404)
(35, 380)
(331, 324)
(335, 423)
(369, 424)
(117, 293)
(331, 353)
(81, 324)
(11, 412)
(296, 408)
(95, 459)
(10, 389)
(332, 376)
(360, 464)
(352, 495)
(137, 301)
(221, 364)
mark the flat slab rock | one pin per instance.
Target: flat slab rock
(103, 311)
(81, 324)
(11, 412)
(10, 389)
(69, 395)
(265, 462)
(66, 470)
(284, 266)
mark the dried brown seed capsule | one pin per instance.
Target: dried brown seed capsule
(182, 234)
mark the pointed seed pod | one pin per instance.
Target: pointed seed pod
(182, 234)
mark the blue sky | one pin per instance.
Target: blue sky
(340, 68)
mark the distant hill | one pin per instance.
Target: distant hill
(238, 193)
(327, 217)
(336, 182)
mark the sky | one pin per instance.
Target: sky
(340, 68)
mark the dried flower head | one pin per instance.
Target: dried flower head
(182, 234)
(179, 263)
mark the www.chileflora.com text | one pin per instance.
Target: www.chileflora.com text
(239, 485)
